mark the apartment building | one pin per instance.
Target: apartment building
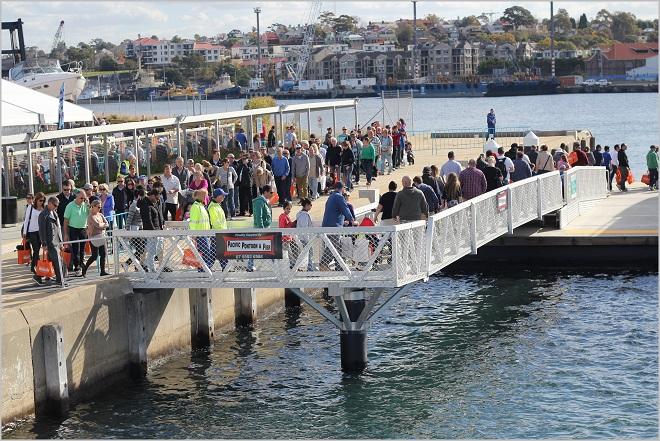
(161, 52)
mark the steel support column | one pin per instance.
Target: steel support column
(217, 134)
(309, 122)
(87, 159)
(353, 341)
(137, 152)
(30, 168)
(334, 121)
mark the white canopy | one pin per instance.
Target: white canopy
(22, 106)
(530, 139)
(491, 145)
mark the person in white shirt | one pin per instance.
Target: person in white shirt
(30, 229)
(172, 187)
(507, 168)
(304, 220)
(451, 166)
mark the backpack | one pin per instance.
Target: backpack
(123, 168)
(501, 165)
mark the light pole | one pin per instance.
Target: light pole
(258, 11)
(415, 62)
(552, 41)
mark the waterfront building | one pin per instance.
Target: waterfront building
(616, 60)
(156, 52)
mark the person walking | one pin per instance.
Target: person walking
(262, 214)
(521, 168)
(64, 198)
(409, 204)
(347, 161)
(451, 195)
(356, 148)
(652, 164)
(50, 236)
(120, 196)
(304, 220)
(315, 171)
(227, 178)
(386, 151)
(490, 122)
(494, 178)
(432, 199)
(614, 164)
(451, 166)
(368, 160)
(244, 171)
(385, 204)
(598, 156)
(75, 224)
(505, 164)
(30, 228)
(199, 221)
(172, 187)
(473, 181)
(624, 166)
(544, 162)
(280, 172)
(300, 165)
(152, 220)
(96, 227)
(271, 140)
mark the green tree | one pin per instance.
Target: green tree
(326, 18)
(563, 22)
(623, 23)
(154, 37)
(470, 20)
(99, 44)
(176, 39)
(261, 102)
(573, 23)
(603, 17)
(583, 23)
(404, 34)
(130, 64)
(107, 63)
(344, 23)
(519, 16)
(433, 19)
(173, 76)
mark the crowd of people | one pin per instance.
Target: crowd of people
(209, 193)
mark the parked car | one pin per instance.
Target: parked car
(590, 82)
(604, 82)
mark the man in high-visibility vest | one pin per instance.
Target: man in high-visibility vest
(218, 219)
(199, 220)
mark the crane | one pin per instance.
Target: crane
(59, 36)
(308, 38)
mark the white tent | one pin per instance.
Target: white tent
(22, 106)
(530, 139)
(491, 145)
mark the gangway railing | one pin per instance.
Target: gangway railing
(351, 257)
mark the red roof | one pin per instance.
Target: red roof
(145, 41)
(270, 35)
(199, 45)
(631, 51)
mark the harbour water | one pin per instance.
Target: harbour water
(613, 118)
(523, 354)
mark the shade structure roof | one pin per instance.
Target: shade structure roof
(491, 145)
(21, 106)
(530, 139)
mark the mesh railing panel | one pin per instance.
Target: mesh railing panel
(524, 200)
(451, 238)
(551, 192)
(591, 182)
(491, 222)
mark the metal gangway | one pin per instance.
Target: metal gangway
(364, 269)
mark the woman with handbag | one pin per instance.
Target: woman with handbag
(30, 229)
(96, 226)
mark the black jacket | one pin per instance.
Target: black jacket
(623, 159)
(121, 199)
(50, 233)
(244, 172)
(333, 156)
(271, 141)
(347, 157)
(63, 203)
(434, 183)
(151, 216)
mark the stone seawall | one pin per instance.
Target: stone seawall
(96, 328)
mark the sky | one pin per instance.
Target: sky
(115, 21)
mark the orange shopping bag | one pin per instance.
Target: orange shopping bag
(66, 256)
(44, 267)
(88, 248)
(646, 179)
(274, 199)
(24, 254)
(190, 259)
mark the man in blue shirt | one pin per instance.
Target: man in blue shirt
(336, 211)
(281, 170)
(490, 121)
(241, 138)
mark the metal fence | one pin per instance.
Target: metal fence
(464, 139)
(582, 187)
(388, 256)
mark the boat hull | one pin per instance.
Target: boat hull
(50, 84)
(230, 92)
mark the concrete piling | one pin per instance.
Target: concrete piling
(353, 342)
(137, 341)
(245, 305)
(203, 334)
(291, 299)
(57, 387)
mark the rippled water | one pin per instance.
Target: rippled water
(524, 355)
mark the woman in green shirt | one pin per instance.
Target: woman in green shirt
(368, 160)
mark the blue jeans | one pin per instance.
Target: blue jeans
(236, 199)
(347, 172)
(491, 131)
(231, 204)
(223, 262)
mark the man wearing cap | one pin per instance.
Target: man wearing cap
(217, 218)
(300, 171)
(343, 136)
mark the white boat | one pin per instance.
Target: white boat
(46, 75)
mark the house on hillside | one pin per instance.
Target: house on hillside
(615, 61)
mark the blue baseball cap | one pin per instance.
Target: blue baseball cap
(219, 192)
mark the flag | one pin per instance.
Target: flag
(60, 116)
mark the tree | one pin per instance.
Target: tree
(470, 20)
(107, 63)
(99, 44)
(326, 18)
(623, 23)
(583, 23)
(573, 23)
(519, 16)
(130, 64)
(261, 102)
(176, 39)
(404, 34)
(344, 23)
(603, 18)
(433, 19)
(173, 75)
(154, 37)
(563, 23)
